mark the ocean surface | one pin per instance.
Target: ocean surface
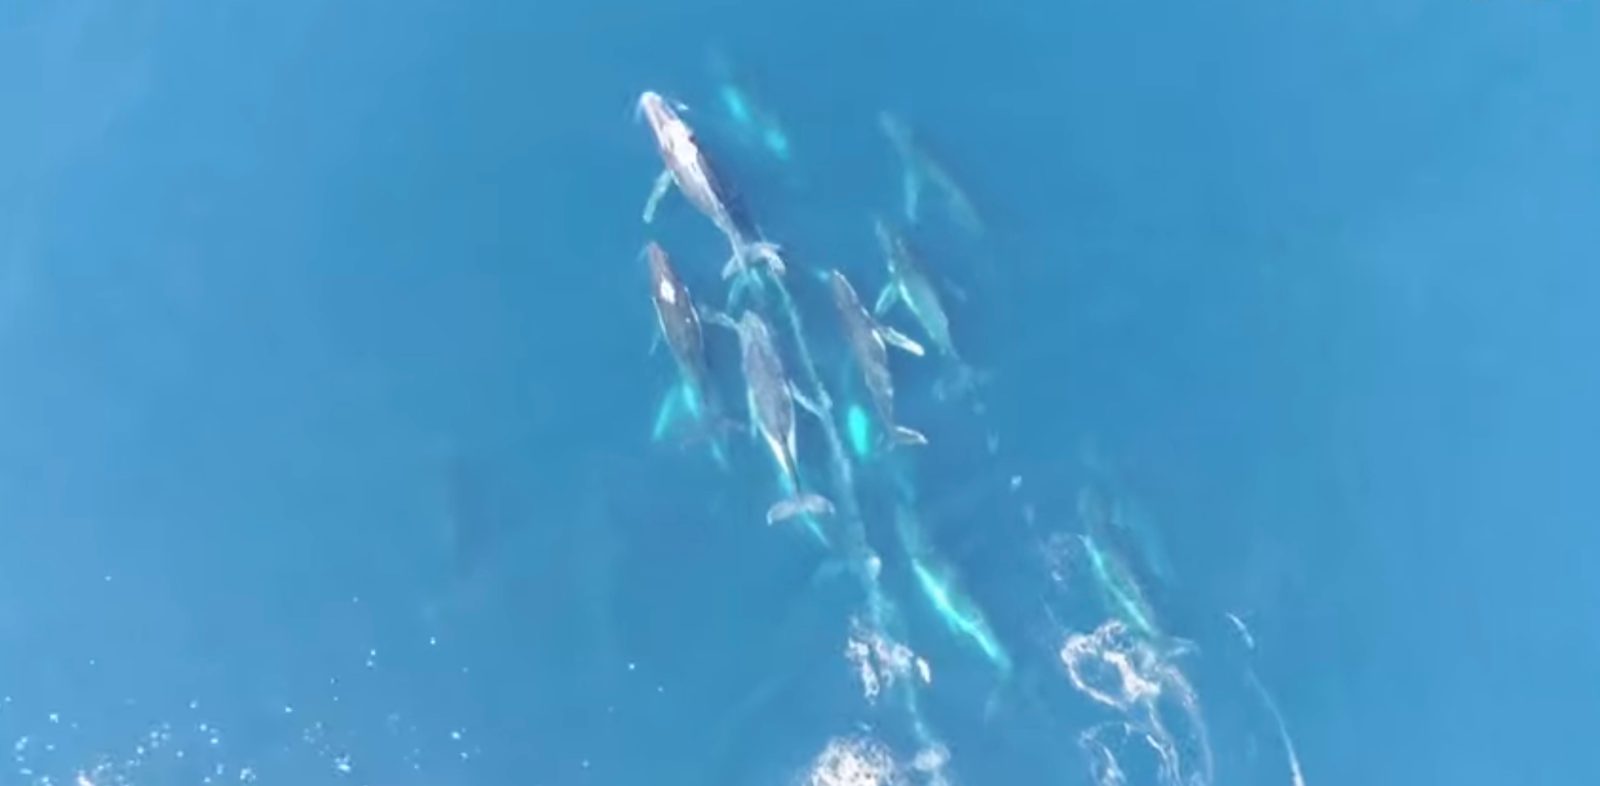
(338, 443)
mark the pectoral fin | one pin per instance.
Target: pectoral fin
(663, 182)
(886, 298)
(716, 317)
(900, 435)
(667, 412)
(911, 191)
(895, 338)
(807, 402)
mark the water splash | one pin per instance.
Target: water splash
(881, 662)
(864, 761)
(854, 761)
(1126, 673)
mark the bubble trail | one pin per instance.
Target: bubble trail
(882, 615)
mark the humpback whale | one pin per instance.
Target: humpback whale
(771, 398)
(869, 341)
(909, 284)
(688, 167)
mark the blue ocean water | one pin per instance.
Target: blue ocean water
(328, 393)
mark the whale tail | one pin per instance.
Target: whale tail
(747, 254)
(799, 505)
(744, 268)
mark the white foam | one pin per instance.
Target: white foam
(853, 761)
(880, 661)
(1126, 672)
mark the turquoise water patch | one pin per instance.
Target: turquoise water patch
(858, 429)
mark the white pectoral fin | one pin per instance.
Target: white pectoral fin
(886, 298)
(659, 190)
(895, 338)
(901, 435)
(667, 413)
(809, 404)
(715, 317)
(753, 424)
(911, 191)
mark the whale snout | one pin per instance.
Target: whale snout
(654, 108)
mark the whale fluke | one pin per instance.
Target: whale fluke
(799, 505)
